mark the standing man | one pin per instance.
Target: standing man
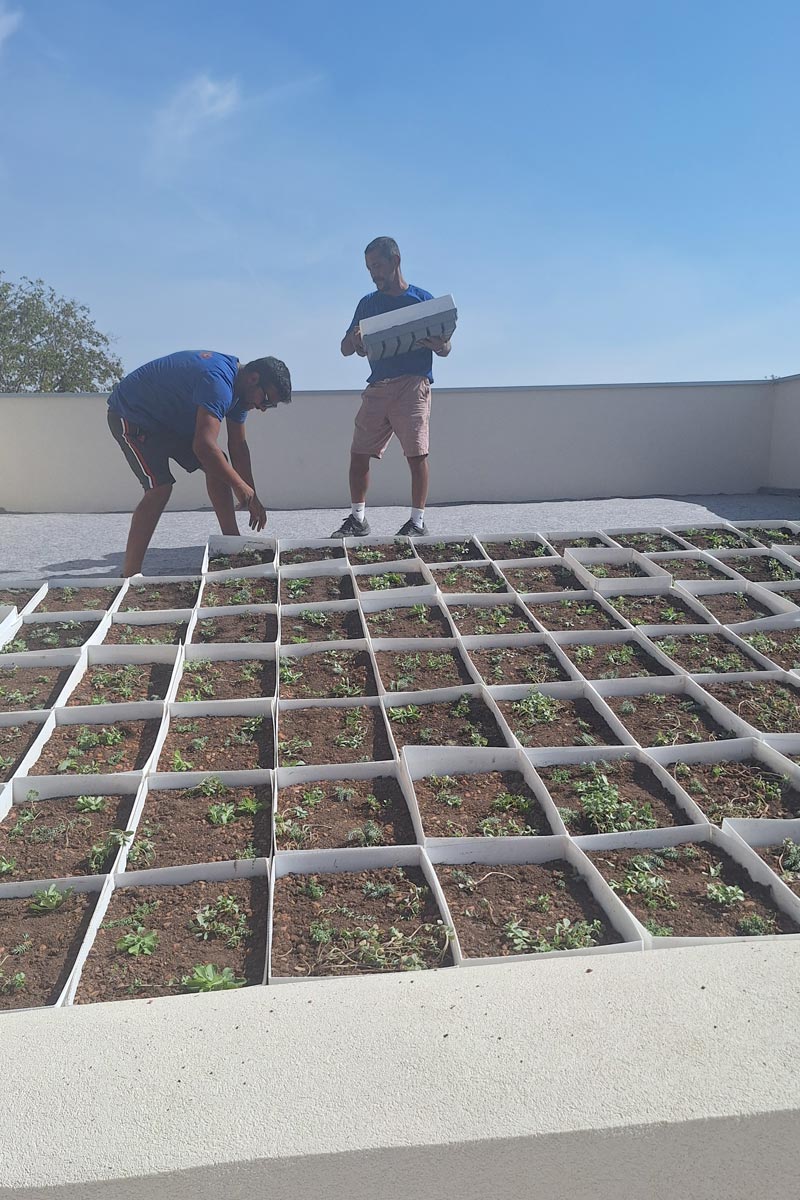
(173, 408)
(398, 395)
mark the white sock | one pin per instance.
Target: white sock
(418, 517)
(358, 510)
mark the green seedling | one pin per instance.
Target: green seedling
(368, 834)
(48, 900)
(403, 714)
(221, 814)
(7, 865)
(296, 588)
(223, 919)
(289, 674)
(378, 891)
(756, 926)
(292, 751)
(139, 942)
(100, 852)
(179, 763)
(420, 613)
(313, 617)
(603, 807)
(205, 977)
(723, 894)
(342, 794)
(565, 935)
(641, 880)
(537, 709)
(9, 984)
(211, 788)
(90, 804)
(313, 888)
(391, 579)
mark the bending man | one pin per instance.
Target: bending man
(173, 408)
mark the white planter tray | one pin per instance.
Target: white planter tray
(396, 332)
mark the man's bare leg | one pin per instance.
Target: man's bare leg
(221, 496)
(418, 466)
(143, 525)
(359, 477)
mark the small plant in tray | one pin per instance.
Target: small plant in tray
(584, 613)
(490, 619)
(212, 822)
(523, 664)
(469, 579)
(330, 674)
(409, 621)
(49, 635)
(466, 721)
(313, 589)
(732, 607)
(647, 543)
(613, 660)
(109, 683)
(321, 625)
(30, 688)
(516, 548)
(691, 568)
(226, 679)
(738, 789)
(97, 749)
(483, 804)
(218, 743)
(343, 812)
(782, 646)
(237, 627)
(329, 733)
(388, 580)
(420, 670)
(249, 589)
(505, 909)
(706, 653)
(306, 554)
(711, 538)
(438, 552)
(167, 632)
(249, 556)
(67, 598)
(541, 720)
(784, 859)
(665, 609)
(40, 935)
(770, 706)
(363, 556)
(610, 797)
(146, 596)
(761, 568)
(65, 835)
(542, 579)
(666, 719)
(15, 741)
(357, 923)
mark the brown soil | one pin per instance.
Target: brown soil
(583, 800)
(573, 614)
(42, 948)
(684, 907)
(254, 556)
(52, 839)
(72, 599)
(398, 924)
(414, 621)
(523, 664)
(218, 743)
(30, 688)
(647, 543)
(485, 900)
(18, 597)
(490, 804)
(517, 548)
(170, 632)
(390, 580)
(706, 653)
(109, 683)
(714, 539)
(577, 543)
(467, 721)
(611, 570)
(691, 568)
(363, 556)
(177, 825)
(664, 609)
(343, 812)
(305, 554)
(325, 675)
(144, 597)
(770, 537)
(731, 607)
(311, 589)
(771, 707)
(761, 568)
(449, 552)
(737, 789)
(321, 625)
(782, 646)
(237, 627)
(490, 619)
(558, 723)
(169, 911)
(97, 749)
(331, 734)
(50, 635)
(666, 719)
(617, 660)
(230, 679)
(542, 579)
(421, 670)
(775, 858)
(15, 741)
(250, 589)
(469, 579)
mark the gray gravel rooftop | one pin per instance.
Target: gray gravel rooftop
(42, 545)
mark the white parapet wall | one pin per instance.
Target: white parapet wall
(487, 444)
(663, 1076)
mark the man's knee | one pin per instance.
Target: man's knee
(157, 496)
(359, 462)
(414, 460)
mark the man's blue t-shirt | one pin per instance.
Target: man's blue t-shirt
(165, 394)
(416, 362)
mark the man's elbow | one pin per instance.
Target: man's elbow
(202, 450)
(346, 347)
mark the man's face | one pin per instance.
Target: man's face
(258, 395)
(381, 269)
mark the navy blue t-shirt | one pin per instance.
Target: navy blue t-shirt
(416, 362)
(166, 393)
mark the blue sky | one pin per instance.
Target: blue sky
(608, 189)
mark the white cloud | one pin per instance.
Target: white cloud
(10, 21)
(197, 106)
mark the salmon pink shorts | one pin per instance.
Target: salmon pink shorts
(401, 406)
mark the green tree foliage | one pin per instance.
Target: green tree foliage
(51, 344)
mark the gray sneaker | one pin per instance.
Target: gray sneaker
(412, 530)
(351, 527)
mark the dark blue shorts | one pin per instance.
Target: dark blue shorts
(148, 453)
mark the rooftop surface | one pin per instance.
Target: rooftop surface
(54, 544)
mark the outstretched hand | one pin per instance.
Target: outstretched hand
(438, 345)
(258, 514)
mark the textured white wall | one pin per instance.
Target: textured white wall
(512, 444)
(785, 453)
(670, 1075)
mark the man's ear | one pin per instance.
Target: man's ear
(253, 377)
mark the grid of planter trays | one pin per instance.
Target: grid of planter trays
(336, 758)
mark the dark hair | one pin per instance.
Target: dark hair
(385, 246)
(275, 373)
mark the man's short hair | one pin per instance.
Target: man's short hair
(273, 373)
(385, 246)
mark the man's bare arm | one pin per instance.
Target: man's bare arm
(352, 344)
(240, 452)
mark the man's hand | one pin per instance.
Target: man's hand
(258, 514)
(358, 344)
(438, 345)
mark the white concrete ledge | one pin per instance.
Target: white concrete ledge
(667, 1075)
(487, 445)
